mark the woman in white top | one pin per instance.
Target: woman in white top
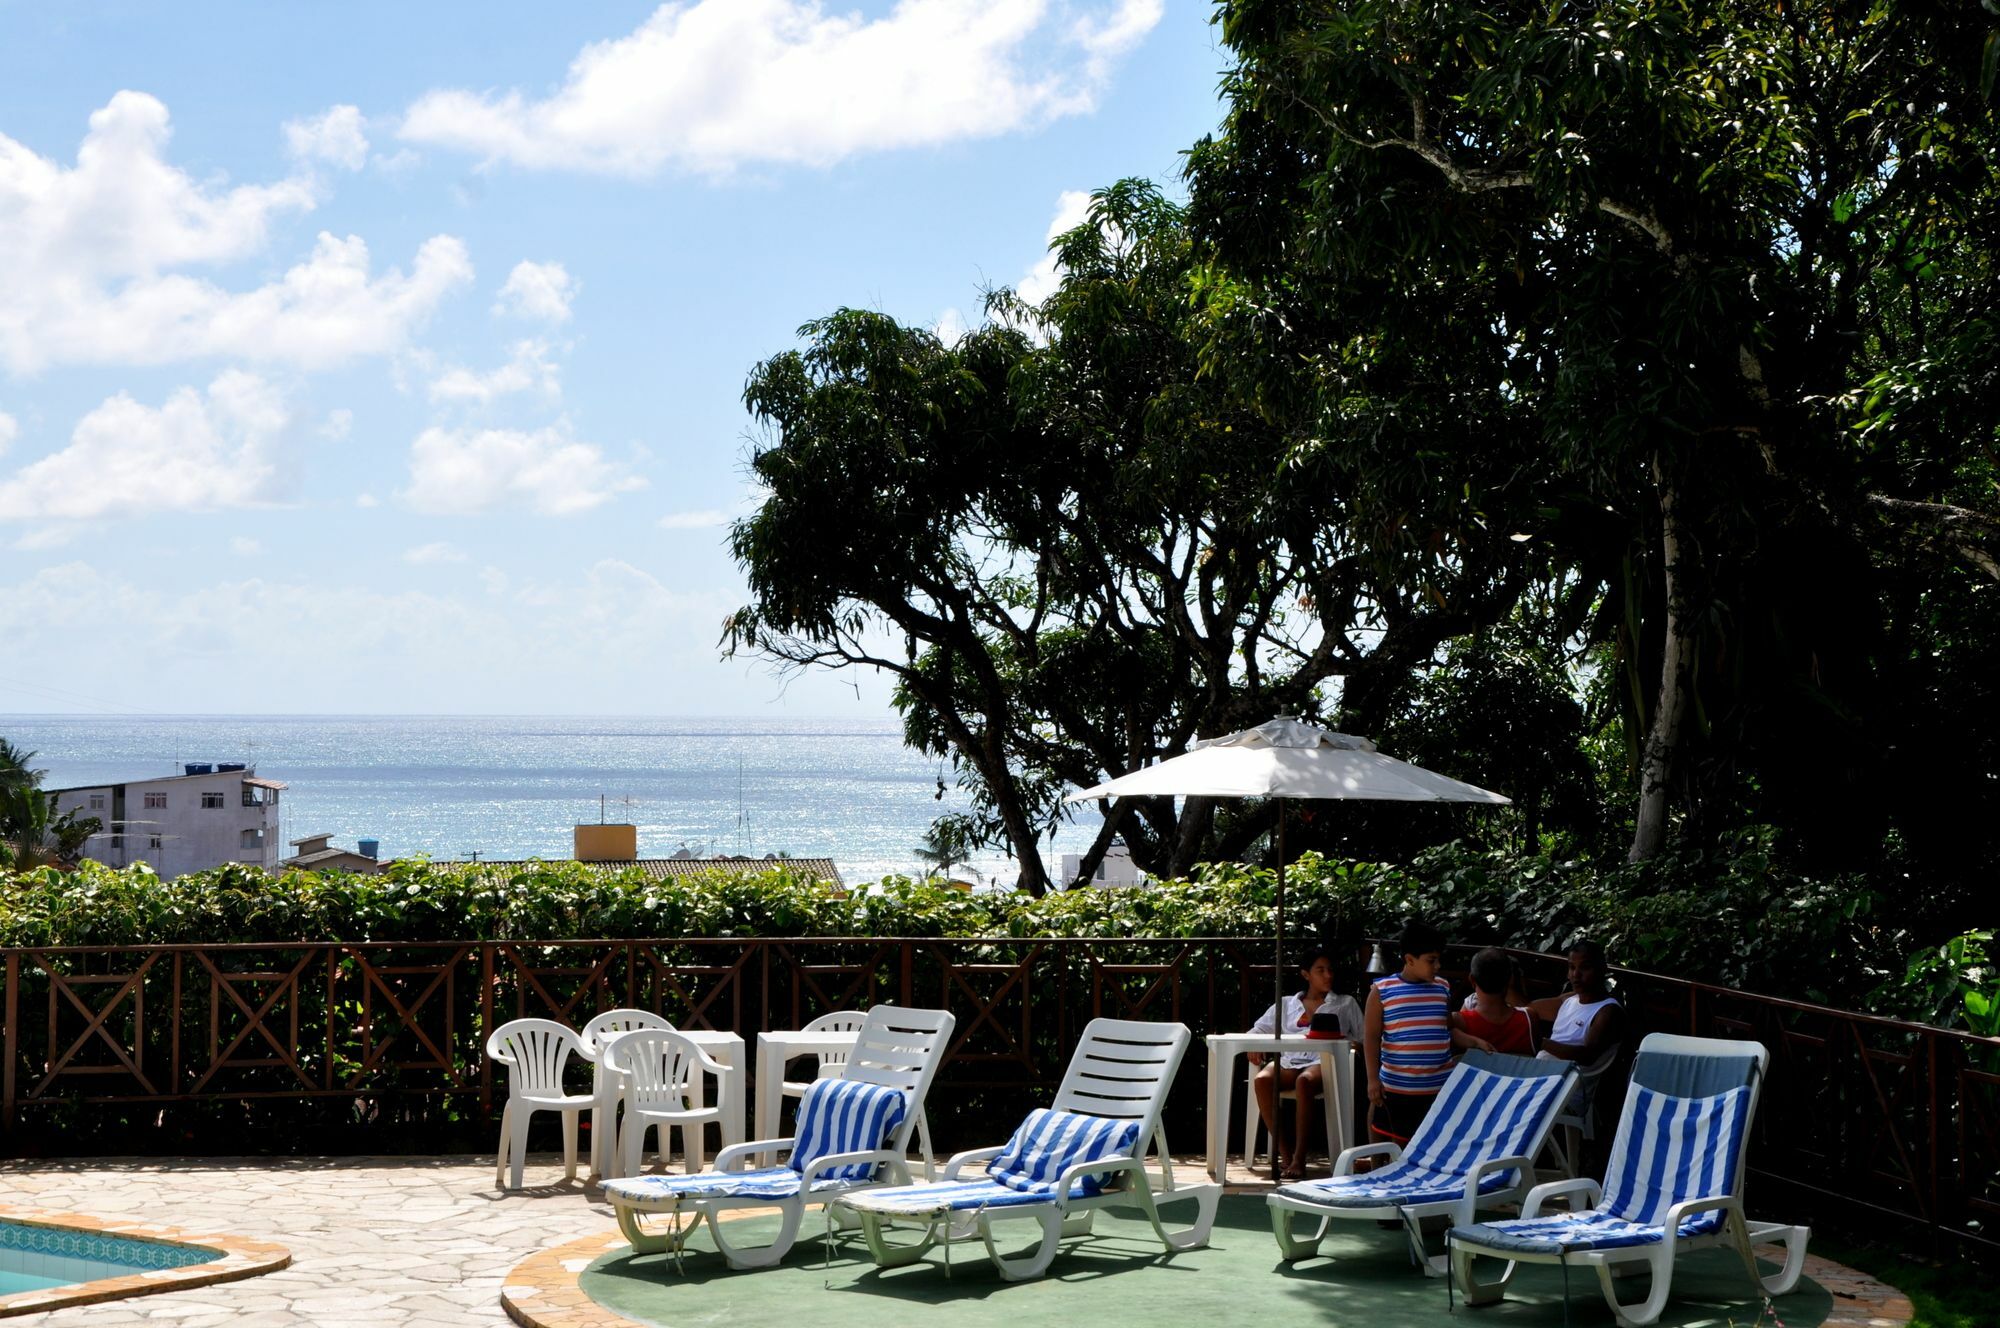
(1299, 1070)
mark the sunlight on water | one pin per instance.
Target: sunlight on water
(512, 786)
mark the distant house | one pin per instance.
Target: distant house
(1115, 871)
(208, 817)
(317, 853)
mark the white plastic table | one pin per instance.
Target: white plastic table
(773, 1050)
(1336, 1058)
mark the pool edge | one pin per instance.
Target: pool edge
(241, 1257)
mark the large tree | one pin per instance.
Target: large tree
(1720, 280)
(1075, 547)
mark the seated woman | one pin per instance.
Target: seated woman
(1299, 1070)
(1489, 1018)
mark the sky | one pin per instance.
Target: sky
(389, 359)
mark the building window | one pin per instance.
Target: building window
(156, 802)
(211, 801)
(253, 839)
(152, 841)
(97, 802)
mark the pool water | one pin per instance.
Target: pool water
(34, 1258)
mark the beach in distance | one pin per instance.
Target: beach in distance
(513, 786)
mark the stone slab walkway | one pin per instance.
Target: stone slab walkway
(382, 1242)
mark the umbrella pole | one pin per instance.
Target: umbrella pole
(1279, 956)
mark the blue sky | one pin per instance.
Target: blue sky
(359, 358)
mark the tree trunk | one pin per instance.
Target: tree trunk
(1663, 736)
(1100, 845)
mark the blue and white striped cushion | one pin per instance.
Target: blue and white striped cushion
(1479, 1115)
(772, 1183)
(1669, 1150)
(1050, 1142)
(845, 1116)
(950, 1196)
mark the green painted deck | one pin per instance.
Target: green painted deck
(1119, 1275)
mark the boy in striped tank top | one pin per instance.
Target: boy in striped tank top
(1408, 1035)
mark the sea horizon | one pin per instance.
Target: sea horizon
(512, 786)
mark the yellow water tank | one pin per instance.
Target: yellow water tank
(607, 843)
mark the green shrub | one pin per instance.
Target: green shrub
(1729, 916)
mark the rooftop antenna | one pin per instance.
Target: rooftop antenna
(473, 854)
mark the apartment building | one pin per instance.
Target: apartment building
(211, 815)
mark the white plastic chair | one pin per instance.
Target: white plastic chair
(662, 1073)
(1253, 1119)
(1577, 1122)
(535, 1052)
(605, 1087)
(831, 1064)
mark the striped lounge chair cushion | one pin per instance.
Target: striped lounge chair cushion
(1049, 1143)
(1479, 1115)
(773, 1183)
(949, 1197)
(1669, 1150)
(845, 1116)
(836, 1116)
(1025, 1172)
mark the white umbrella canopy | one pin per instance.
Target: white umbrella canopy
(1288, 758)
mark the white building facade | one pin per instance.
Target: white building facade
(177, 824)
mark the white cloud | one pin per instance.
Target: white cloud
(94, 252)
(337, 424)
(196, 452)
(366, 500)
(10, 429)
(336, 136)
(245, 547)
(466, 470)
(537, 290)
(530, 369)
(706, 518)
(950, 327)
(438, 552)
(1072, 210)
(717, 84)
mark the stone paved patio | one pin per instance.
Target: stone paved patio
(384, 1242)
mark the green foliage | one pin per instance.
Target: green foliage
(1732, 917)
(1956, 983)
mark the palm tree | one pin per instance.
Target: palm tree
(947, 844)
(34, 832)
(14, 770)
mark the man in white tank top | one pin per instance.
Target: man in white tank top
(1588, 1021)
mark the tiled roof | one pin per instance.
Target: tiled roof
(668, 869)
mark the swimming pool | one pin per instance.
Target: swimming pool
(34, 1258)
(52, 1259)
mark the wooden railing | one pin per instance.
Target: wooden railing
(1860, 1114)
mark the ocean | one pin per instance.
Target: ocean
(513, 786)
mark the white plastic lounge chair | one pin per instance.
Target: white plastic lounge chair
(830, 1062)
(1474, 1150)
(663, 1074)
(1674, 1183)
(1086, 1153)
(606, 1088)
(535, 1052)
(852, 1131)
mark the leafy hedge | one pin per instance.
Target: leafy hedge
(1732, 917)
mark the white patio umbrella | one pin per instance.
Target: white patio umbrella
(1288, 758)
